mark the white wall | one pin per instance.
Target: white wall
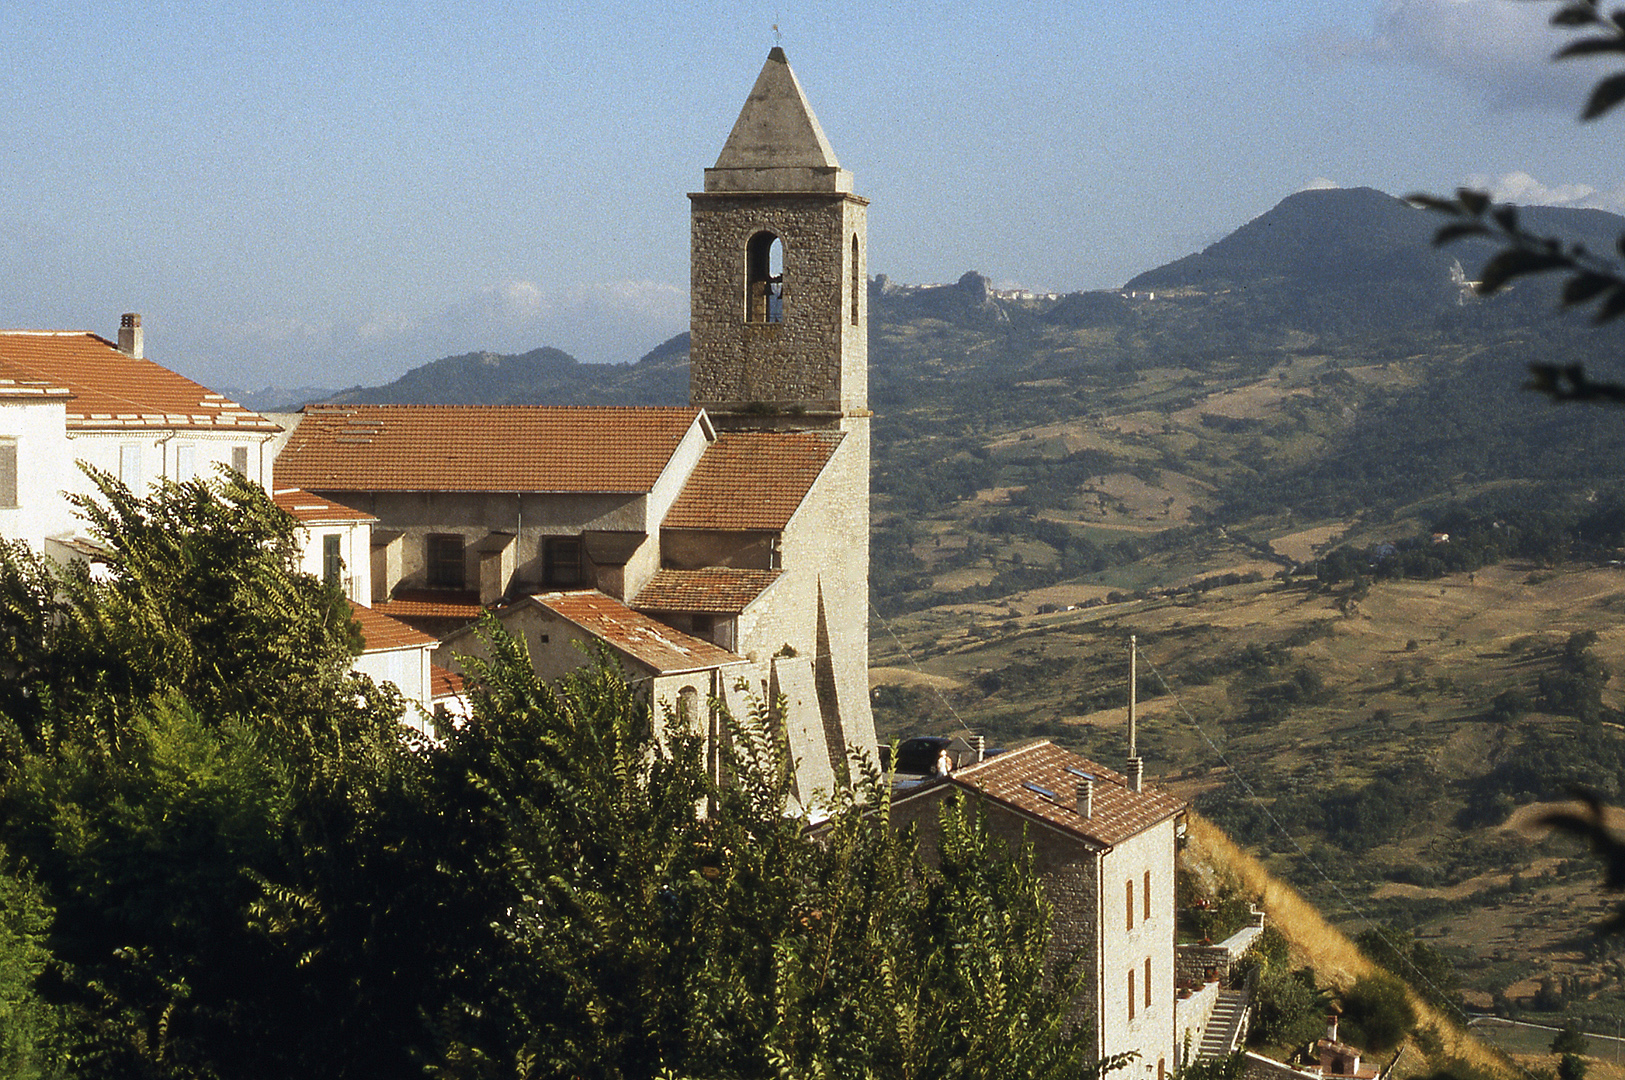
(44, 471)
(355, 543)
(1151, 1031)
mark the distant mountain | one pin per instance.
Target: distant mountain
(277, 398)
(541, 376)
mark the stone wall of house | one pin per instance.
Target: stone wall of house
(814, 359)
(1199, 963)
(1129, 944)
(1067, 865)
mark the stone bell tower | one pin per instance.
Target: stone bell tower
(779, 359)
(779, 319)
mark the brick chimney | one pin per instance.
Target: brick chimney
(129, 335)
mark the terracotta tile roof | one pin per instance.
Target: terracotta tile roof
(444, 683)
(315, 510)
(1117, 812)
(752, 479)
(432, 604)
(714, 589)
(380, 632)
(112, 390)
(646, 640)
(17, 384)
(481, 447)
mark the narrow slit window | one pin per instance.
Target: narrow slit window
(764, 279)
(1145, 897)
(1129, 884)
(857, 282)
(1131, 993)
(1148, 983)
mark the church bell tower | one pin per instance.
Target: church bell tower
(779, 320)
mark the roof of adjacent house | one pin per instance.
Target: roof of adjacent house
(1117, 813)
(752, 480)
(541, 448)
(380, 633)
(311, 509)
(716, 589)
(111, 389)
(432, 604)
(444, 683)
(648, 641)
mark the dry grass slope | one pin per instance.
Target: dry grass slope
(1335, 958)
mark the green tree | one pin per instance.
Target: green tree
(1569, 1040)
(1571, 1067)
(1377, 1012)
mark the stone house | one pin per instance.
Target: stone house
(1104, 846)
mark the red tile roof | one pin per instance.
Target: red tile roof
(315, 510)
(715, 589)
(444, 682)
(111, 389)
(1117, 813)
(645, 640)
(380, 632)
(18, 385)
(481, 447)
(752, 480)
(432, 604)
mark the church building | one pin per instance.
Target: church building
(720, 550)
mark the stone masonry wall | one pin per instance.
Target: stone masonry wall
(816, 358)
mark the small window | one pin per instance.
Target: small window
(332, 560)
(1148, 984)
(764, 279)
(1145, 895)
(561, 561)
(239, 459)
(446, 566)
(8, 473)
(1131, 993)
(129, 466)
(1130, 885)
(185, 462)
(857, 281)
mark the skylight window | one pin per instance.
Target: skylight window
(1044, 791)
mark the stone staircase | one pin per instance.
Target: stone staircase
(1224, 1028)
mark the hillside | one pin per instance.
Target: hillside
(1247, 458)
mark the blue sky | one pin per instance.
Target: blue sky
(325, 194)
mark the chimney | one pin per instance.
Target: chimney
(129, 335)
(981, 748)
(1086, 799)
(1136, 773)
(1331, 1027)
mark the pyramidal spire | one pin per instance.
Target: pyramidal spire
(777, 143)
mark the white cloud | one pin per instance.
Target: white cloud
(1522, 188)
(1499, 48)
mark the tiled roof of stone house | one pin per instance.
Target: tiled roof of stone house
(109, 388)
(1117, 813)
(539, 448)
(646, 640)
(752, 480)
(718, 590)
